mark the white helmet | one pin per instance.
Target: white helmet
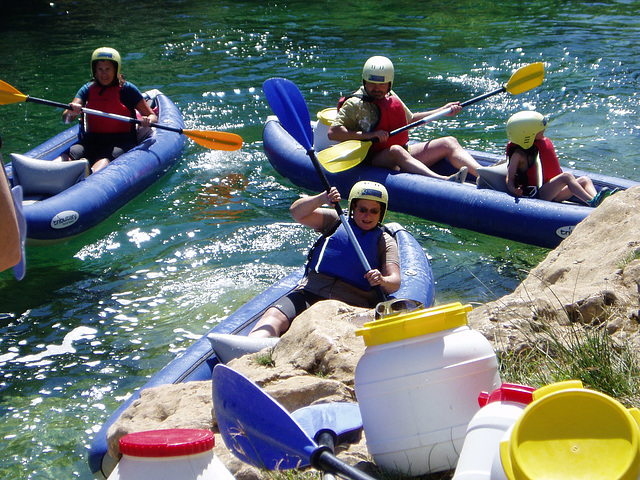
(378, 70)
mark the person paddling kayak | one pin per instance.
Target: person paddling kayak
(334, 270)
(103, 139)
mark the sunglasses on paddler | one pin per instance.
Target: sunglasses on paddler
(393, 307)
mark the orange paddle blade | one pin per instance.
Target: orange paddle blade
(215, 140)
(9, 94)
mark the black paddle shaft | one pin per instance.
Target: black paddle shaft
(323, 459)
(325, 438)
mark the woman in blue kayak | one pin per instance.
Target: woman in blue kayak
(334, 270)
(104, 139)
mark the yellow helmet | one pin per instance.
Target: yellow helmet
(366, 190)
(523, 127)
(106, 53)
(378, 70)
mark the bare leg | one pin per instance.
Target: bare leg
(587, 184)
(397, 158)
(446, 147)
(562, 187)
(62, 158)
(272, 324)
(99, 165)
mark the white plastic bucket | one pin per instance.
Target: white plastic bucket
(186, 454)
(320, 138)
(417, 385)
(499, 411)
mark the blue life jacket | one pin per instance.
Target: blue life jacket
(334, 255)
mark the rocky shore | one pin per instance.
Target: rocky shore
(592, 278)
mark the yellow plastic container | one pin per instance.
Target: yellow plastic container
(417, 386)
(320, 138)
(569, 432)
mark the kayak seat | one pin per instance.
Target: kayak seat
(143, 133)
(44, 178)
(493, 177)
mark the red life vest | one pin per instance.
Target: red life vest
(392, 116)
(107, 100)
(548, 163)
(548, 159)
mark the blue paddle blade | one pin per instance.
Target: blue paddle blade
(288, 104)
(256, 428)
(343, 420)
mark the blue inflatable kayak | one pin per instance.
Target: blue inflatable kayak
(197, 362)
(61, 201)
(484, 208)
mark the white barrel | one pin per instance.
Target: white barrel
(481, 447)
(417, 385)
(186, 454)
(320, 131)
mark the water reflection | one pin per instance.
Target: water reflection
(224, 195)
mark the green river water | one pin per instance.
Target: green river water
(98, 315)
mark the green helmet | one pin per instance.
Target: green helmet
(366, 190)
(105, 53)
(378, 70)
(523, 127)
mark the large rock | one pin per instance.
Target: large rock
(591, 278)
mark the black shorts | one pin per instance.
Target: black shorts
(95, 147)
(296, 302)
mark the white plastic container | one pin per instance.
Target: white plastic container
(320, 138)
(499, 411)
(417, 385)
(185, 454)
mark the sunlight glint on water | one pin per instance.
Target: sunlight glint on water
(97, 316)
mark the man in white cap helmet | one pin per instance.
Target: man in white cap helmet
(374, 110)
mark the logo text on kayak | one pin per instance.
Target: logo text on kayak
(64, 219)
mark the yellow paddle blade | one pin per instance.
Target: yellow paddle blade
(526, 78)
(343, 156)
(215, 140)
(9, 94)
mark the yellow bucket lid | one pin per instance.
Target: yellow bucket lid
(569, 432)
(328, 115)
(401, 326)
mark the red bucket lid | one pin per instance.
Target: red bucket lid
(174, 442)
(508, 392)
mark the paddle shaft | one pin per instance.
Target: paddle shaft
(326, 439)
(354, 241)
(289, 105)
(98, 113)
(323, 459)
(435, 116)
